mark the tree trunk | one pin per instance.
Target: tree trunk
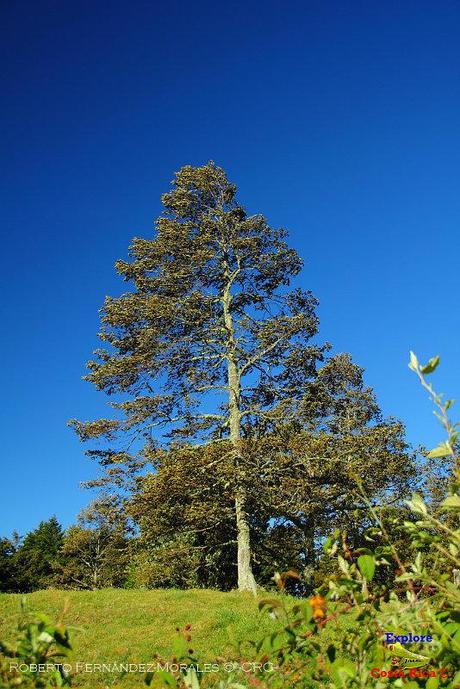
(246, 581)
(309, 550)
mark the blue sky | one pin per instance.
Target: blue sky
(337, 120)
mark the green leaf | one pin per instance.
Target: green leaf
(327, 544)
(366, 564)
(364, 551)
(307, 611)
(431, 365)
(416, 503)
(456, 679)
(191, 679)
(432, 683)
(343, 564)
(270, 603)
(452, 502)
(167, 678)
(413, 363)
(342, 669)
(443, 450)
(383, 550)
(179, 647)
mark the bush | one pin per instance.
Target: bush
(36, 658)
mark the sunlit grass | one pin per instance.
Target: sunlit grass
(115, 625)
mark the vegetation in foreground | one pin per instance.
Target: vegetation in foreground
(116, 625)
(339, 637)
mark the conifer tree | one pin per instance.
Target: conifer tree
(36, 558)
(210, 344)
(7, 565)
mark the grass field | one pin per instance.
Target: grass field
(115, 626)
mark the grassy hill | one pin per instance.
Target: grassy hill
(115, 626)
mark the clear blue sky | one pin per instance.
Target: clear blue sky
(337, 120)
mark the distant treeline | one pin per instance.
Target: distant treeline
(82, 557)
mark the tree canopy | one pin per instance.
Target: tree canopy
(215, 344)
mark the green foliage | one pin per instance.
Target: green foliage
(360, 609)
(95, 552)
(37, 658)
(8, 566)
(186, 518)
(305, 486)
(202, 289)
(431, 602)
(35, 559)
(119, 625)
(91, 554)
(170, 565)
(91, 559)
(213, 344)
(366, 565)
(209, 344)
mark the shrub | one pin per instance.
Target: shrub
(35, 660)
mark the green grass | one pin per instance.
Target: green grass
(115, 625)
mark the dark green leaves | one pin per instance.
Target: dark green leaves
(431, 365)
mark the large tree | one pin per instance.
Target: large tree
(211, 343)
(306, 485)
